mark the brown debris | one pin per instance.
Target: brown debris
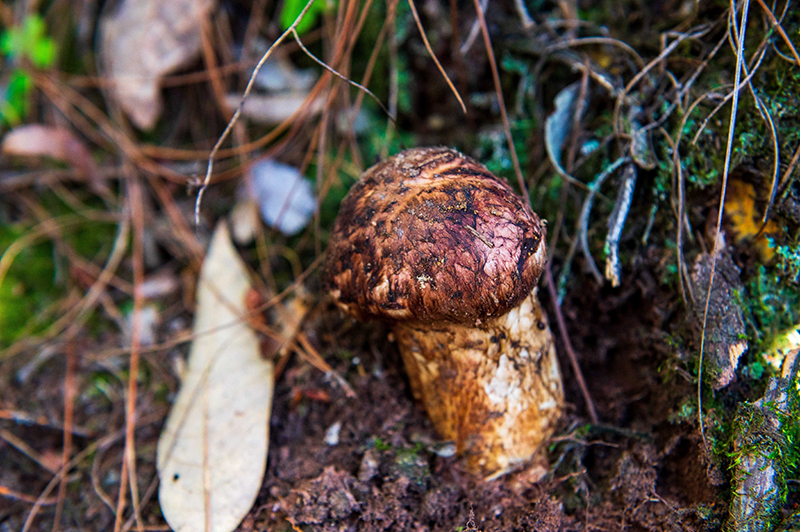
(725, 339)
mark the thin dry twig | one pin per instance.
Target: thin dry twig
(433, 56)
(683, 276)
(43, 499)
(573, 358)
(473, 32)
(235, 118)
(26, 449)
(18, 495)
(572, 43)
(69, 409)
(128, 473)
(501, 102)
(725, 172)
(340, 76)
(699, 32)
(780, 30)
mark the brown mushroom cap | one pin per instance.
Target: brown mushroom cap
(431, 235)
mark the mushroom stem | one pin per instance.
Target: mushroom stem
(494, 389)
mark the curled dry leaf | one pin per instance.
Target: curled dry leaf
(36, 140)
(213, 449)
(558, 126)
(144, 40)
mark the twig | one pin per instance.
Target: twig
(573, 358)
(26, 449)
(43, 497)
(238, 112)
(787, 174)
(572, 43)
(643, 72)
(473, 32)
(433, 55)
(69, 409)
(498, 88)
(210, 60)
(524, 16)
(779, 29)
(340, 76)
(13, 494)
(129, 453)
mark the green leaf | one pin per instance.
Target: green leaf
(43, 53)
(15, 104)
(29, 41)
(292, 9)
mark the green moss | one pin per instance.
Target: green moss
(38, 275)
(772, 306)
(29, 288)
(788, 259)
(378, 444)
(411, 464)
(686, 411)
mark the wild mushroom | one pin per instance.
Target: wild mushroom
(432, 242)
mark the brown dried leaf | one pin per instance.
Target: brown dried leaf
(36, 140)
(144, 40)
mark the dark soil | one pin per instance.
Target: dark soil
(641, 469)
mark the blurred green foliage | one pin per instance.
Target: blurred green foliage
(29, 44)
(292, 9)
(36, 276)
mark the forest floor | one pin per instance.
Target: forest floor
(613, 107)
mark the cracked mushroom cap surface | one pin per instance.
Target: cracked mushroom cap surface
(431, 235)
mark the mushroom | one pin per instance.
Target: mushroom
(430, 241)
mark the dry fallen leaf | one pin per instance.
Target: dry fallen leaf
(285, 199)
(144, 40)
(213, 450)
(740, 208)
(274, 108)
(36, 140)
(558, 126)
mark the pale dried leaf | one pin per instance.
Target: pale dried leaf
(213, 449)
(273, 108)
(558, 125)
(245, 221)
(285, 199)
(144, 40)
(36, 140)
(278, 74)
